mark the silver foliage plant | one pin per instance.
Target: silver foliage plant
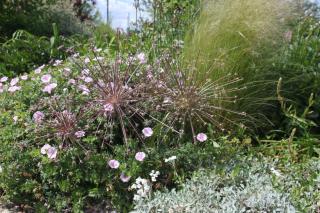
(251, 190)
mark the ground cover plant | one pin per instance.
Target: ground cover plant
(144, 121)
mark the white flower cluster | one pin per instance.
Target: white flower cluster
(143, 189)
(154, 174)
(172, 158)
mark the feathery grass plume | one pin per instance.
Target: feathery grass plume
(240, 36)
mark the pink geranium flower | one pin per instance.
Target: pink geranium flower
(88, 79)
(3, 79)
(202, 137)
(14, 81)
(80, 134)
(114, 164)
(39, 69)
(142, 58)
(44, 149)
(72, 81)
(84, 89)
(124, 178)
(46, 78)
(49, 88)
(147, 132)
(52, 153)
(38, 117)
(140, 156)
(14, 88)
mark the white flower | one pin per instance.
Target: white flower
(154, 174)
(172, 158)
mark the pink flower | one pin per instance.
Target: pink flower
(140, 156)
(49, 88)
(124, 178)
(88, 79)
(24, 77)
(38, 117)
(142, 58)
(84, 89)
(147, 132)
(80, 134)
(202, 137)
(14, 88)
(4, 79)
(87, 60)
(14, 81)
(114, 164)
(72, 81)
(39, 69)
(46, 78)
(108, 107)
(44, 149)
(52, 153)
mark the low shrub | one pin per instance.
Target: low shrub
(245, 189)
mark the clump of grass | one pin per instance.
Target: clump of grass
(243, 37)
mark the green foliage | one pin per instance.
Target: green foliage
(22, 52)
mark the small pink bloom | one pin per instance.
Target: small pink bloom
(46, 78)
(147, 132)
(14, 88)
(39, 69)
(202, 137)
(49, 88)
(88, 79)
(14, 81)
(85, 72)
(52, 153)
(84, 89)
(87, 60)
(124, 178)
(80, 134)
(38, 117)
(114, 164)
(44, 149)
(24, 77)
(4, 79)
(140, 156)
(72, 81)
(142, 58)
